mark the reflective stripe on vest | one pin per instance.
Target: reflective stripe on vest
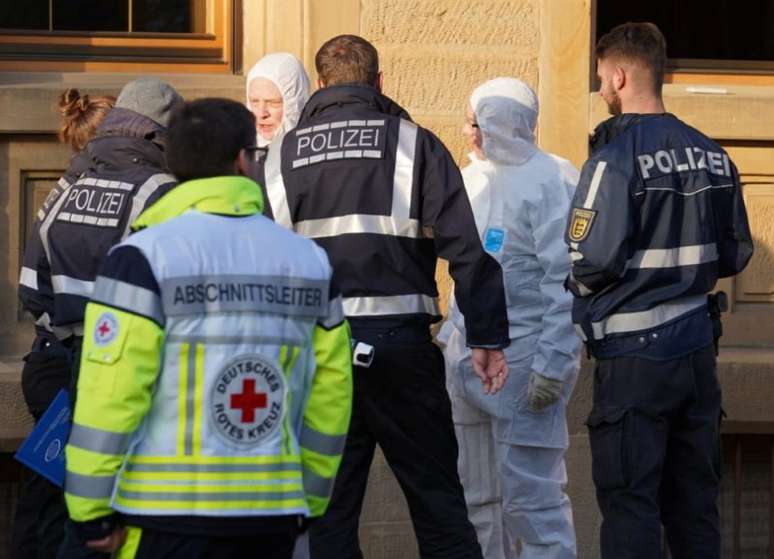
(253, 484)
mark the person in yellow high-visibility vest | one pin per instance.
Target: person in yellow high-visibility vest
(215, 389)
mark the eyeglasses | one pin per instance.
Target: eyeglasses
(256, 153)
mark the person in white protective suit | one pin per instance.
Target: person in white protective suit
(277, 89)
(512, 444)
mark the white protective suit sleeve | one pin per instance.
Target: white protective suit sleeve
(558, 345)
(288, 74)
(506, 112)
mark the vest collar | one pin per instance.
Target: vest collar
(231, 195)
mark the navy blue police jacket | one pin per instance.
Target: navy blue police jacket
(657, 218)
(385, 199)
(120, 172)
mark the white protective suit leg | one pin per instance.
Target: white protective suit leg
(480, 480)
(536, 510)
(478, 470)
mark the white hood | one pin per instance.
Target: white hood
(288, 74)
(506, 111)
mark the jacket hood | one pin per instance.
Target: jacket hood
(79, 164)
(506, 111)
(126, 139)
(354, 95)
(286, 72)
(125, 122)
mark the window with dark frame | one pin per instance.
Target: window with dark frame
(131, 16)
(703, 35)
(119, 35)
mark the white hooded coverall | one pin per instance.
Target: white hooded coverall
(286, 72)
(511, 457)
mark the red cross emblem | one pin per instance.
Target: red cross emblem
(104, 329)
(248, 401)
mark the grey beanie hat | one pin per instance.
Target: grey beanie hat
(150, 97)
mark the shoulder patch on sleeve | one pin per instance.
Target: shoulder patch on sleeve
(108, 333)
(106, 329)
(581, 223)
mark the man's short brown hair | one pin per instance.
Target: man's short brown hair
(636, 42)
(347, 59)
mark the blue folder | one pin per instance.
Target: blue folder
(43, 450)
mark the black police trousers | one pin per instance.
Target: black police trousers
(38, 524)
(655, 446)
(401, 403)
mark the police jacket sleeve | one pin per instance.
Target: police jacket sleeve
(478, 278)
(35, 290)
(328, 408)
(734, 240)
(558, 346)
(600, 227)
(120, 362)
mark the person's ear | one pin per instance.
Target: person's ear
(379, 81)
(619, 78)
(242, 165)
(320, 83)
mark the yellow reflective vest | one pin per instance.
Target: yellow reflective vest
(215, 374)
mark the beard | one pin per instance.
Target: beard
(614, 104)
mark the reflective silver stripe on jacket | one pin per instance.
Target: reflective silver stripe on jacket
(591, 195)
(582, 289)
(90, 487)
(315, 484)
(61, 332)
(398, 223)
(43, 211)
(387, 305)
(359, 223)
(102, 183)
(141, 197)
(335, 314)
(691, 255)
(275, 185)
(321, 443)
(98, 440)
(403, 179)
(137, 300)
(72, 286)
(644, 320)
(29, 278)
